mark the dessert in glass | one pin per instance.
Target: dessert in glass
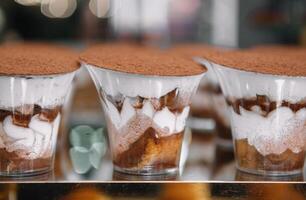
(146, 97)
(34, 80)
(209, 102)
(267, 101)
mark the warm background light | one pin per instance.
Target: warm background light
(28, 2)
(100, 8)
(58, 8)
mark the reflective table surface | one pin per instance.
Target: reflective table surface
(170, 191)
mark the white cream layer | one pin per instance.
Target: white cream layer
(29, 143)
(46, 91)
(242, 84)
(164, 119)
(282, 129)
(132, 85)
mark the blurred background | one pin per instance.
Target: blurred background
(231, 23)
(162, 23)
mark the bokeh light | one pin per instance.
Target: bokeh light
(100, 8)
(28, 2)
(58, 8)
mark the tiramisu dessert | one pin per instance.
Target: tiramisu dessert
(209, 102)
(268, 109)
(146, 98)
(34, 80)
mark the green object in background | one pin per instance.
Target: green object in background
(88, 148)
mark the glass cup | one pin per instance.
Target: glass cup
(268, 116)
(146, 118)
(211, 91)
(30, 113)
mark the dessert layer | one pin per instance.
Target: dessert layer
(136, 59)
(164, 116)
(279, 130)
(11, 163)
(36, 59)
(45, 91)
(150, 150)
(240, 84)
(130, 85)
(135, 127)
(30, 136)
(249, 158)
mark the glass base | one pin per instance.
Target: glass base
(123, 176)
(270, 173)
(242, 176)
(148, 171)
(29, 173)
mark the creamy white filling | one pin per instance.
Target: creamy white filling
(32, 142)
(164, 119)
(131, 85)
(46, 91)
(282, 129)
(242, 84)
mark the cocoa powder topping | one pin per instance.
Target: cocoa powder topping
(36, 59)
(135, 59)
(288, 62)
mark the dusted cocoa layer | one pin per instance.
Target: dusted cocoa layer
(249, 158)
(11, 163)
(141, 60)
(152, 151)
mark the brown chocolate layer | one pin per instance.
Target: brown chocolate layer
(11, 163)
(150, 150)
(22, 116)
(264, 103)
(249, 158)
(170, 100)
